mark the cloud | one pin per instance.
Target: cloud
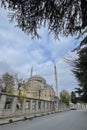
(65, 76)
(18, 53)
(66, 79)
(4, 67)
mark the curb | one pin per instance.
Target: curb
(24, 118)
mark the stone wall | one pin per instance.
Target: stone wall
(10, 106)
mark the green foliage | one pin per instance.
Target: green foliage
(20, 97)
(8, 82)
(65, 97)
(80, 70)
(73, 97)
(60, 16)
(11, 90)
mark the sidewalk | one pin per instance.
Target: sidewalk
(19, 118)
(14, 119)
(8, 120)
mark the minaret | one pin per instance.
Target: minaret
(31, 72)
(55, 72)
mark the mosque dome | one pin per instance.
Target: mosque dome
(37, 78)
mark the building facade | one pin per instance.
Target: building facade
(36, 87)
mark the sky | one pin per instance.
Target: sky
(19, 53)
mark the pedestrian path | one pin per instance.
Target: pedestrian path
(7, 120)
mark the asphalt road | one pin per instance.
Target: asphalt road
(70, 120)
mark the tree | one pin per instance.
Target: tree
(1, 86)
(73, 97)
(60, 16)
(21, 97)
(8, 82)
(80, 70)
(18, 81)
(65, 97)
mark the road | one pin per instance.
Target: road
(70, 120)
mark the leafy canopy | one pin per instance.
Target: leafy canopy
(80, 70)
(60, 16)
(7, 83)
(73, 97)
(65, 97)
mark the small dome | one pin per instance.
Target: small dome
(37, 78)
(47, 86)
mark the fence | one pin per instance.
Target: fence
(11, 106)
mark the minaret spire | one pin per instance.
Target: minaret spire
(56, 81)
(31, 72)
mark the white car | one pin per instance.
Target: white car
(73, 108)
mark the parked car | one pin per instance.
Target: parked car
(73, 108)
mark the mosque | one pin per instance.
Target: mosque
(37, 87)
